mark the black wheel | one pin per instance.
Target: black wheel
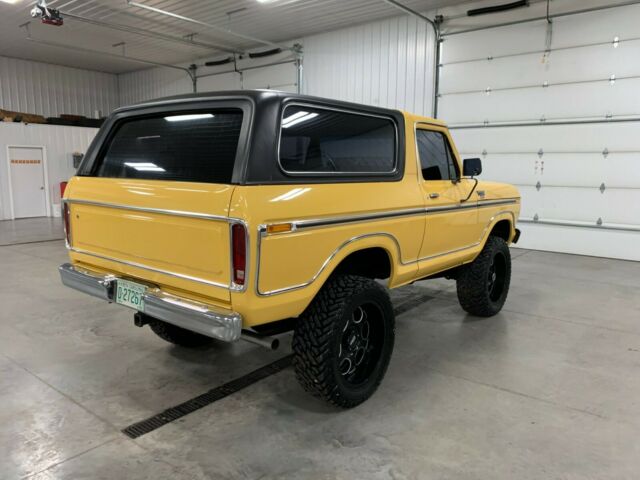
(343, 342)
(177, 335)
(484, 284)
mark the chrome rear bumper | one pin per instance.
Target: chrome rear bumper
(195, 316)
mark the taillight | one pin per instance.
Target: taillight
(239, 253)
(66, 216)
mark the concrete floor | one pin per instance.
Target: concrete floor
(27, 230)
(547, 389)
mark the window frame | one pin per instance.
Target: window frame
(456, 164)
(329, 174)
(102, 141)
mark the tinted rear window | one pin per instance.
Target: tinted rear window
(187, 147)
(318, 141)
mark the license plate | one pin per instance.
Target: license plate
(130, 294)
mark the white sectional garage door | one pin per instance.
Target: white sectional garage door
(282, 76)
(561, 120)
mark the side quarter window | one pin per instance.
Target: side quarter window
(436, 158)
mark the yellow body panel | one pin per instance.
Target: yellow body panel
(190, 255)
(177, 252)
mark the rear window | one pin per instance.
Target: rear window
(323, 141)
(188, 147)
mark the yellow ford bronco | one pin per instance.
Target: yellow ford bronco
(246, 214)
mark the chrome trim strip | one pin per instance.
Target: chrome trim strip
(390, 173)
(198, 317)
(323, 222)
(503, 201)
(263, 229)
(161, 211)
(151, 269)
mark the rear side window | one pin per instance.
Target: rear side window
(436, 159)
(316, 141)
(187, 147)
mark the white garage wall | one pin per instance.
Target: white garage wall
(59, 143)
(501, 76)
(387, 63)
(152, 83)
(50, 90)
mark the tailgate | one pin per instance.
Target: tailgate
(171, 234)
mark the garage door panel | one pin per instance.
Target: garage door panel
(567, 31)
(531, 202)
(570, 203)
(571, 170)
(621, 206)
(559, 169)
(623, 170)
(223, 81)
(564, 101)
(509, 168)
(590, 63)
(276, 77)
(498, 41)
(568, 138)
(582, 205)
(581, 241)
(598, 26)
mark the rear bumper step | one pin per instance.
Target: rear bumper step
(213, 322)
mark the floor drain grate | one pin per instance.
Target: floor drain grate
(171, 414)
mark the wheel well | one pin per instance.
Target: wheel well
(502, 229)
(370, 262)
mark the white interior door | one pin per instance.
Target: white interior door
(28, 190)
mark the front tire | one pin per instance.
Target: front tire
(343, 342)
(483, 285)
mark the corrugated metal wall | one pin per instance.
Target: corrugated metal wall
(59, 143)
(152, 83)
(387, 63)
(50, 90)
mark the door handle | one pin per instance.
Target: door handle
(434, 195)
(41, 188)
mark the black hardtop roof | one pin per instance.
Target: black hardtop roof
(258, 96)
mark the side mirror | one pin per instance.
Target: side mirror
(471, 167)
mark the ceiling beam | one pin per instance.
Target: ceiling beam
(207, 25)
(108, 54)
(150, 34)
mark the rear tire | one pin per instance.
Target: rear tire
(483, 285)
(343, 342)
(177, 335)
